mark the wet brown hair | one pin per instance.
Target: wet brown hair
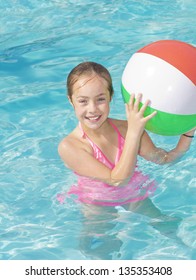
(88, 68)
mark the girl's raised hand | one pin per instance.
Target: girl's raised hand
(135, 115)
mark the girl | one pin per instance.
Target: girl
(103, 151)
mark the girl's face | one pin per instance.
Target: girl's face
(91, 100)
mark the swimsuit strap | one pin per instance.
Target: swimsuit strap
(121, 141)
(84, 135)
(97, 151)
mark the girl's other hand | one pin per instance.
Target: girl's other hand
(191, 132)
(135, 115)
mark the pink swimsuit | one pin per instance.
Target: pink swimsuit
(92, 191)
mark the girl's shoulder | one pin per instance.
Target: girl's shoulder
(72, 141)
(121, 125)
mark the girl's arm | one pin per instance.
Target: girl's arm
(125, 168)
(150, 152)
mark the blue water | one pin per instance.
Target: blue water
(40, 41)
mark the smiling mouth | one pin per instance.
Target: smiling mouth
(93, 118)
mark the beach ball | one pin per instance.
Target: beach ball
(165, 73)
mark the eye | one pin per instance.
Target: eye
(82, 101)
(101, 99)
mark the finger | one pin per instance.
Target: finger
(144, 106)
(149, 117)
(131, 100)
(137, 101)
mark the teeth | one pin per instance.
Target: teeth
(93, 118)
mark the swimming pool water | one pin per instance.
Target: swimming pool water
(39, 44)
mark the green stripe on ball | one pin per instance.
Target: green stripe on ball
(165, 123)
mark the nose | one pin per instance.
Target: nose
(92, 107)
